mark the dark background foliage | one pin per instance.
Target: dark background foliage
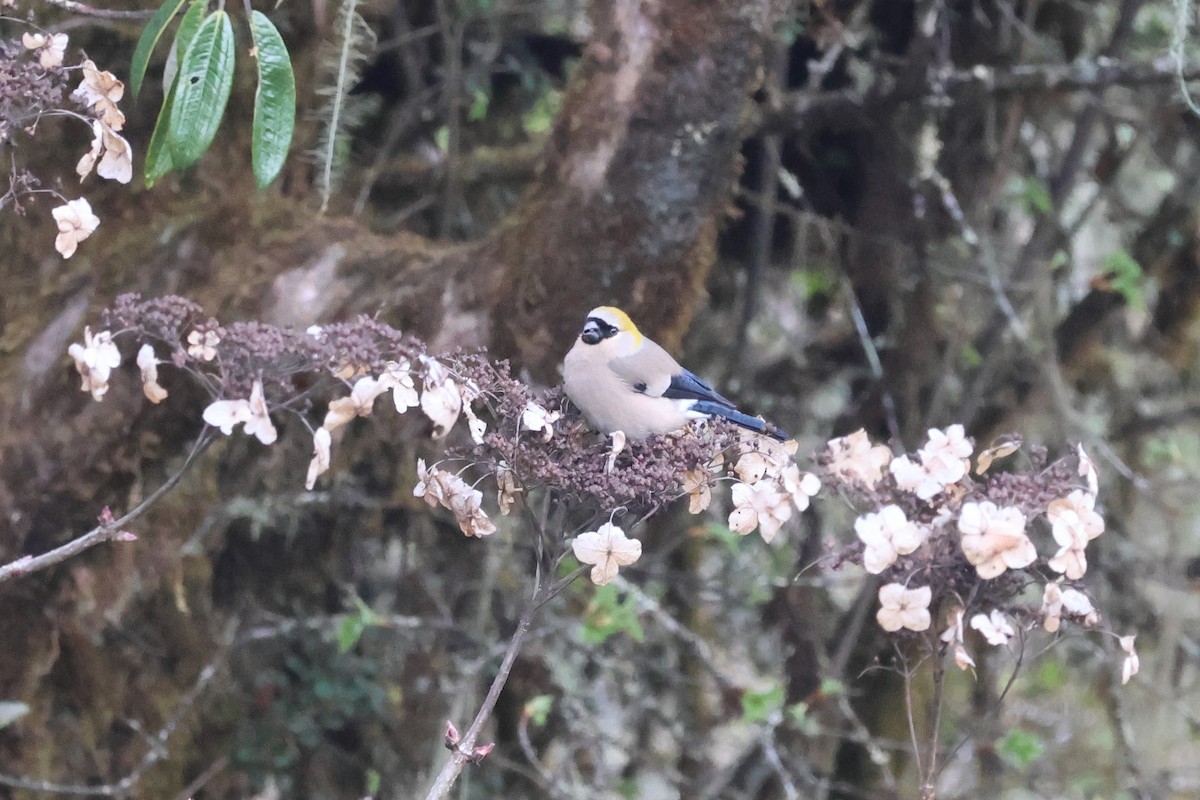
(893, 215)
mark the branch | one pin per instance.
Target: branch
(157, 752)
(109, 530)
(90, 11)
(841, 110)
(929, 789)
(453, 31)
(846, 110)
(549, 782)
(1076, 76)
(201, 780)
(771, 754)
(764, 223)
(1047, 225)
(105, 532)
(695, 643)
(483, 164)
(464, 751)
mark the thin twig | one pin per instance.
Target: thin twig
(864, 603)
(1060, 185)
(873, 360)
(764, 224)
(104, 13)
(929, 790)
(391, 622)
(201, 780)
(452, 39)
(912, 724)
(697, 645)
(105, 532)
(402, 120)
(771, 753)
(464, 751)
(549, 782)
(1179, 35)
(156, 752)
(874, 745)
(555, 589)
(974, 729)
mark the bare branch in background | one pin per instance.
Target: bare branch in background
(158, 750)
(111, 530)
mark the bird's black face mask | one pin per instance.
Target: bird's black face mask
(596, 330)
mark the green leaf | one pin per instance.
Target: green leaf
(149, 40)
(188, 26)
(792, 32)
(721, 533)
(1160, 452)
(374, 780)
(1051, 677)
(349, 632)
(352, 627)
(758, 706)
(158, 155)
(802, 720)
(274, 102)
(812, 283)
(1037, 197)
(971, 357)
(609, 613)
(204, 81)
(1125, 275)
(1022, 748)
(480, 101)
(539, 118)
(538, 709)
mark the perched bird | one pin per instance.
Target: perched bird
(623, 381)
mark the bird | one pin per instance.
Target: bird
(623, 381)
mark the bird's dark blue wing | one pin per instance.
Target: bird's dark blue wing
(738, 418)
(686, 385)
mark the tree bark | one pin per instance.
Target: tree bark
(623, 209)
(635, 178)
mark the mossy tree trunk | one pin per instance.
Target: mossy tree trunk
(624, 208)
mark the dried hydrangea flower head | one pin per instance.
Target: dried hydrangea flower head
(977, 540)
(886, 535)
(903, 608)
(76, 222)
(50, 47)
(100, 91)
(95, 360)
(607, 549)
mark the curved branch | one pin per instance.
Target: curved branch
(107, 531)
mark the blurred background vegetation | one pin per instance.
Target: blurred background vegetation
(895, 215)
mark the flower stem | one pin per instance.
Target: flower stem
(462, 753)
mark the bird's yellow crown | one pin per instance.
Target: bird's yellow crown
(619, 320)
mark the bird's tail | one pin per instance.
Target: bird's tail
(738, 418)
